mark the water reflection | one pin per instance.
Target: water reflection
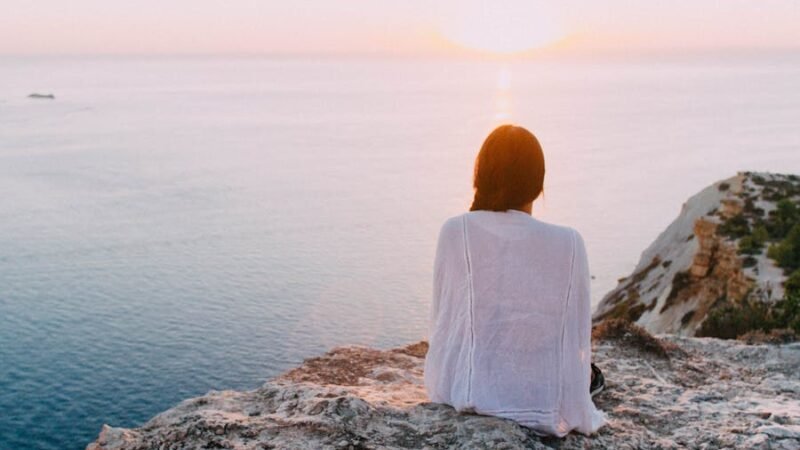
(503, 106)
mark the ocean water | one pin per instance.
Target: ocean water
(170, 226)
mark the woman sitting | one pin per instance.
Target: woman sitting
(510, 329)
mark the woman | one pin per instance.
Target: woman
(510, 320)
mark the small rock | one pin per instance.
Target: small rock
(780, 431)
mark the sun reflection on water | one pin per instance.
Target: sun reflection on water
(503, 102)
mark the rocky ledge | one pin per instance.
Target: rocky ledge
(662, 393)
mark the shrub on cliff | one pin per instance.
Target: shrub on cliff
(752, 244)
(787, 252)
(732, 321)
(735, 227)
(792, 284)
(785, 216)
(787, 312)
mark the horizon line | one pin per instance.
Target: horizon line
(543, 53)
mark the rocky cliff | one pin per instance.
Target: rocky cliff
(668, 393)
(713, 254)
(671, 392)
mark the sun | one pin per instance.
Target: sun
(501, 26)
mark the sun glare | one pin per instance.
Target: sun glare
(502, 26)
(503, 99)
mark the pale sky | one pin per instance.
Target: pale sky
(383, 26)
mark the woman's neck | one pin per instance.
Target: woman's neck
(527, 207)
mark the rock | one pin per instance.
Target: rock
(781, 431)
(42, 96)
(693, 268)
(362, 398)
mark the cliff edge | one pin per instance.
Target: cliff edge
(667, 393)
(729, 264)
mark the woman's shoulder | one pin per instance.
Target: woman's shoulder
(563, 230)
(450, 231)
(558, 231)
(454, 225)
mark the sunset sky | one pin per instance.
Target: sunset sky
(390, 27)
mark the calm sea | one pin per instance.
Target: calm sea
(172, 226)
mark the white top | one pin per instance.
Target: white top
(510, 329)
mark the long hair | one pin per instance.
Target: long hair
(509, 170)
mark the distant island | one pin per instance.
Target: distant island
(42, 96)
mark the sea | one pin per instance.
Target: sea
(175, 225)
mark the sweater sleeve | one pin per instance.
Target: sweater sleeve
(437, 280)
(578, 410)
(442, 264)
(581, 299)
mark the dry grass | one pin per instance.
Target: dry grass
(775, 336)
(419, 350)
(347, 366)
(634, 336)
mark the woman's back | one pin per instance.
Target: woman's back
(510, 322)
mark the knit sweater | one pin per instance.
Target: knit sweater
(510, 323)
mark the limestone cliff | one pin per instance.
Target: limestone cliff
(697, 263)
(673, 393)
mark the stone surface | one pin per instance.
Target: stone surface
(702, 394)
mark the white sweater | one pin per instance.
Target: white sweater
(510, 329)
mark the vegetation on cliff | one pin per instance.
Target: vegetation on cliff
(728, 265)
(780, 230)
(733, 320)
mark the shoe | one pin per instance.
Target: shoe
(598, 381)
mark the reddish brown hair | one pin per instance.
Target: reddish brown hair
(509, 170)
